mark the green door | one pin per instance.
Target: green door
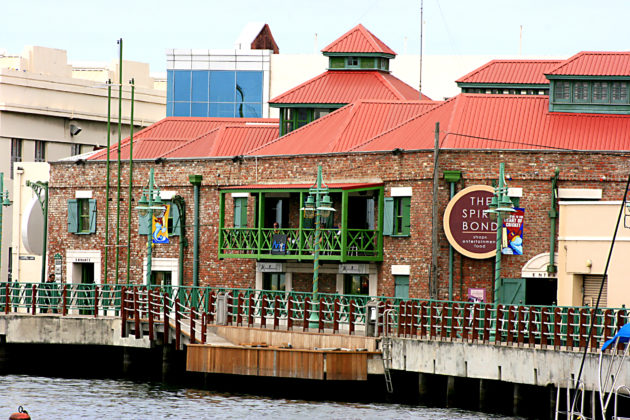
(512, 292)
(85, 290)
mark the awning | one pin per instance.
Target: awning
(331, 186)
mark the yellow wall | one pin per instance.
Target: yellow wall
(584, 239)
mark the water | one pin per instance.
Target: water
(57, 398)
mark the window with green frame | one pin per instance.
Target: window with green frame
(174, 221)
(397, 216)
(352, 62)
(591, 92)
(82, 215)
(562, 91)
(240, 212)
(619, 92)
(580, 92)
(401, 285)
(274, 281)
(356, 284)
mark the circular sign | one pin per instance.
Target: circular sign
(468, 229)
(33, 228)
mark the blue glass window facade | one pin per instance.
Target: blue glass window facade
(214, 93)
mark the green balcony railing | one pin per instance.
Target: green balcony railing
(361, 244)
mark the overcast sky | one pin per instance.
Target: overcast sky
(88, 30)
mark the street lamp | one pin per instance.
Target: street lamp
(150, 202)
(499, 205)
(318, 205)
(4, 198)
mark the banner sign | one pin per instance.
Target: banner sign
(468, 229)
(159, 229)
(279, 244)
(513, 233)
(476, 295)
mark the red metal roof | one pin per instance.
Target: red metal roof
(171, 132)
(346, 127)
(331, 185)
(358, 40)
(511, 71)
(343, 87)
(231, 140)
(595, 63)
(516, 122)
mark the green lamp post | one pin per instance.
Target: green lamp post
(318, 205)
(4, 200)
(499, 205)
(148, 204)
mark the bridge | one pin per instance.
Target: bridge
(526, 351)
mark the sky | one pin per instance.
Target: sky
(88, 30)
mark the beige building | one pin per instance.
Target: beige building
(585, 234)
(50, 110)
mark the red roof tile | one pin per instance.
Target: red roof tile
(171, 132)
(511, 72)
(358, 40)
(515, 122)
(595, 63)
(226, 141)
(343, 87)
(345, 128)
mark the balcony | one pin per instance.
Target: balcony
(280, 232)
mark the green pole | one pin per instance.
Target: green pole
(133, 88)
(196, 181)
(553, 217)
(109, 115)
(1, 211)
(120, 42)
(181, 206)
(150, 235)
(318, 191)
(497, 260)
(45, 246)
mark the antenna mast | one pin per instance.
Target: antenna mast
(421, 24)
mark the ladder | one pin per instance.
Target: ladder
(387, 364)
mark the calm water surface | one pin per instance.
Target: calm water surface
(62, 398)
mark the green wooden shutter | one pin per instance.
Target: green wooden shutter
(144, 224)
(388, 216)
(174, 212)
(401, 284)
(73, 216)
(406, 213)
(240, 212)
(92, 210)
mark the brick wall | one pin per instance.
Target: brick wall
(531, 171)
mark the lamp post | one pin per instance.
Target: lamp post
(500, 204)
(318, 205)
(149, 203)
(4, 198)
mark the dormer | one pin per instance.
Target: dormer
(591, 82)
(358, 49)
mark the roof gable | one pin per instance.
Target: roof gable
(594, 63)
(358, 40)
(345, 128)
(343, 87)
(511, 72)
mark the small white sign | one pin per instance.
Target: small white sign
(269, 267)
(354, 269)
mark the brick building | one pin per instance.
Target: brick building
(377, 159)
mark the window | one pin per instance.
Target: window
(294, 118)
(174, 221)
(82, 215)
(562, 91)
(580, 92)
(401, 284)
(16, 153)
(75, 149)
(356, 284)
(619, 92)
(600, 92)
(161, 278)
(274, 281)
(352, 61)
(40, 151)
(397, 215)
(240, 212)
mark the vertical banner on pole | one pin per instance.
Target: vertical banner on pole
(513, 232)
(160, 227)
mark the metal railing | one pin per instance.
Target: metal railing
(361, 243)
(191, 309)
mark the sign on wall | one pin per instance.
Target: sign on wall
(279, 244)
(468, 229)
